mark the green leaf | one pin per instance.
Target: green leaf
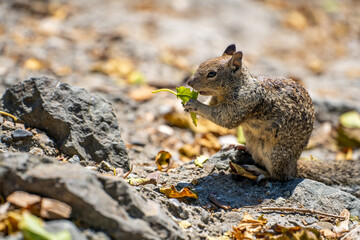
(185, 94)
(350, 119)
(200, 160)
(32, 229)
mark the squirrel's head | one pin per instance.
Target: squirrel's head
(218, 76)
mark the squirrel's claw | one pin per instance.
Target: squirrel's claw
(190, 106)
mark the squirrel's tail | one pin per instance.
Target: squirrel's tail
(342, 173)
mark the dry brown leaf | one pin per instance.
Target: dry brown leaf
(54, 209)
(141, 181)
(173, 193)
(174, 60)
(248, 227)
(183, 120)
(184, 224)
(163, 160)
(239, 170)
(328, 234)
(190, 150)
(23, 199)
(34, 64)
(208, 140)
(296, 20)
(316, 65)
(343, 226)
(142, 93)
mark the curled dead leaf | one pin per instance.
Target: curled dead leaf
(173, 193)
(163, 160)
(141, 181)
(239, 170)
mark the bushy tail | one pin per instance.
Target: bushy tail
(342, 173)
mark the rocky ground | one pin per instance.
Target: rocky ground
(120, 51)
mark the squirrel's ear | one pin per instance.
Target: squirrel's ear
(230, 50)
(236, 60)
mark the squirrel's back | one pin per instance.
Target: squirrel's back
(280, 126)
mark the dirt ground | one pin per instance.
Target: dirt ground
(123, 50)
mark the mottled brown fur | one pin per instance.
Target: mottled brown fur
(276, 114)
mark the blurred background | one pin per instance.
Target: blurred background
(124, 49)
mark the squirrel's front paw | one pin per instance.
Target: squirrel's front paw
(190, 106)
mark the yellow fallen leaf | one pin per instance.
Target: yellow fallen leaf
(350, 119)
(239, 170)
(34, 64)
(163, 159)
(136, 77)
(173, 193)
(141, 181)
(184, 224)
(142, 93)
(200, 160)
(296, 20)
(247, 227)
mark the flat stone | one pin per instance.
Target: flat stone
(21, 134)
(104, 203)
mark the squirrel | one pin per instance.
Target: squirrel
(276, 114)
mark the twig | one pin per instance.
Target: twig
(9, 115)
(127, 174)
(301, 210)
(213, 199)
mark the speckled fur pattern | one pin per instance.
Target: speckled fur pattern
(276, 114)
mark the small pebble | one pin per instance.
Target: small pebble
(106, 166)
(74, 159)
(175, 207)
(222, 165)
(165, 129)
(287, 193)
(5, 138)
(208, 168)
(37, 151)
(21, 134)
(268, 185)
(268, 193)
(310, 220)
(83, 163)
(205, 217)
(280, 201)
(325, 225)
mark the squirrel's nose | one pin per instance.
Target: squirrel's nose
(190, 81)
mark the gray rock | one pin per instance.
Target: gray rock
(231, 152)
(61, 225)
(205, 216)
(74, 159)
(316, 195)
(176, 208)
(331, 109)
(310, 220)
(21, 134)
(104, 203)
(80, 123)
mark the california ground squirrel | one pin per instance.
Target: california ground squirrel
(276, 114)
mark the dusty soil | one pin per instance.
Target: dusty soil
(124, 49)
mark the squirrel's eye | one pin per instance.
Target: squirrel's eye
(211, 74)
